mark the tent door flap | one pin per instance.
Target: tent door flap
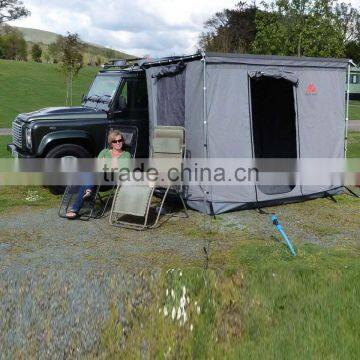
(273, 116)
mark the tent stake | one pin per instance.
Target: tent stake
(278, 226)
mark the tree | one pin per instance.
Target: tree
(70, 59)
(12, 10)
(352, 51)
(286, 27)
(36, 53)
(14, 46)
(98, 61)
(300, 28)
(350, 23)
(46, 56)
(231, 30)
(54, 52)
(349, 20)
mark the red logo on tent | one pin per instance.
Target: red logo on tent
(311, 89)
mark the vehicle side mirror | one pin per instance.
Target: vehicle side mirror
(82, 98)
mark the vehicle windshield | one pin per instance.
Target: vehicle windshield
(102, 91)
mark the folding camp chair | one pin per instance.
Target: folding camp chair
(132, 205)
(96, 205)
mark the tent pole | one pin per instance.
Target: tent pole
(204, 105)
(205, 153)
(347, 106)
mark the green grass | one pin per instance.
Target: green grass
(263, 304)
(28, 86)
(16, 197)
(354, 145)
(255, 301)
(4, 140)
(354, 110)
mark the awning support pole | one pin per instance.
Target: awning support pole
(205, 145)
(347, 107)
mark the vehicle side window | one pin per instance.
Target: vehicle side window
(133, 95)
(354, 79)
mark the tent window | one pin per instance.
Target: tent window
(274, 123)
(171, 100)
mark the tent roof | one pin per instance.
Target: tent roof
(276, 60)
(264, 60)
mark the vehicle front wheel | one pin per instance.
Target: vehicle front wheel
(62, 151)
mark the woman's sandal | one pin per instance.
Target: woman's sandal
(87, 194)
(71, 215)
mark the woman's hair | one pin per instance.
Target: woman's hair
(112, 135)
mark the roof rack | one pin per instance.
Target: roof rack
(171, 60)
(121, 64)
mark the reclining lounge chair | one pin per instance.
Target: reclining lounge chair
(133, 205)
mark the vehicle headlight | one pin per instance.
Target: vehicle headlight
(28, 138)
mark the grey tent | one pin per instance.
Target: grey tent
(252, 107)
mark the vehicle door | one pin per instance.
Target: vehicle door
(130, 108)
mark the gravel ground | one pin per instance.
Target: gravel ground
(60, 314)
(59, 279)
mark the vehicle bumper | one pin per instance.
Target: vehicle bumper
(16, 153)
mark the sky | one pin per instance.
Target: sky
(137, 27)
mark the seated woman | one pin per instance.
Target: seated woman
(120, 159)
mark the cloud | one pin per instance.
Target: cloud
(155, 27)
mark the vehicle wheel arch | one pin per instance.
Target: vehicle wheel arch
(52, 140)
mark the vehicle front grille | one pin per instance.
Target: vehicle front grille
(17, 133)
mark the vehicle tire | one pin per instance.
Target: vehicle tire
(65, 150)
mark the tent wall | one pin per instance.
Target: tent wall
(319, 88)
(229, 128)
(321, 116)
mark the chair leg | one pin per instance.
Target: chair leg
(166, 218)
(161, 207)
(111, 222)
(63, 199)
(92, 205)
(183, 203)
(148, 210)
(106, 203)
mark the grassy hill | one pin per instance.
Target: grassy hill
(37, 36)
(45, 38)
(28, 86)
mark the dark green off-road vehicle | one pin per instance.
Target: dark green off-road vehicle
(116, 99)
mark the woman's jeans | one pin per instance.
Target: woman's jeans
(79, 200)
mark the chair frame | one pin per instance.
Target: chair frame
(95, 196)
(114, 219)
